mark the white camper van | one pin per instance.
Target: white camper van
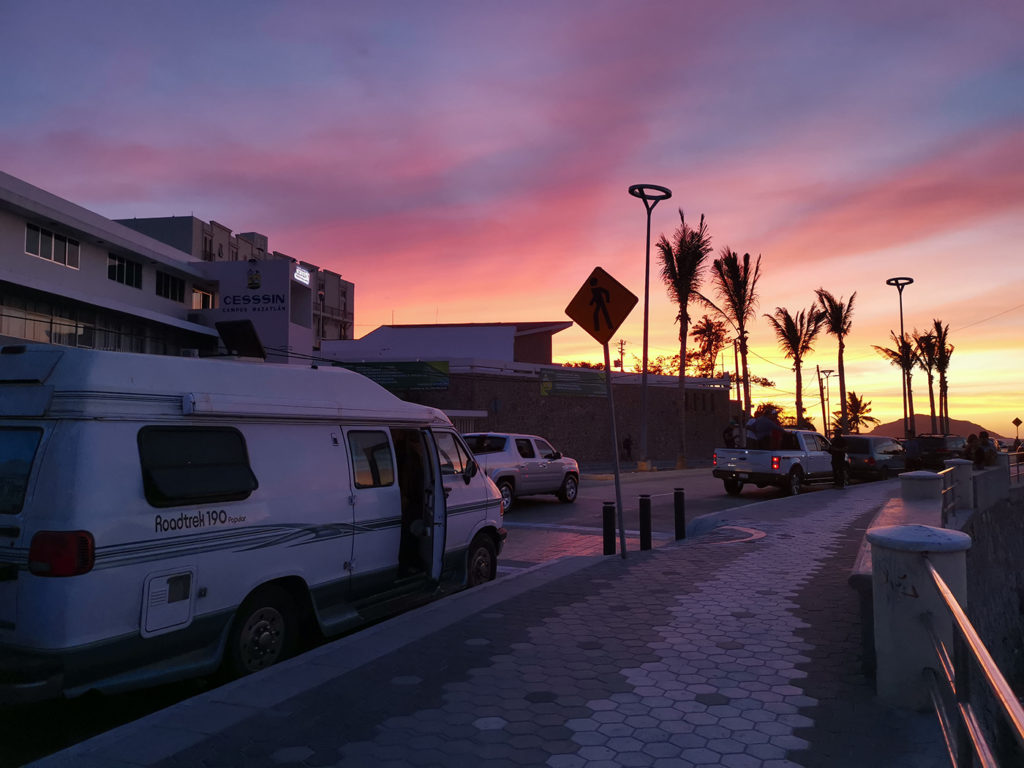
(165, 517)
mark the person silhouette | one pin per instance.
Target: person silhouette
(599, 297)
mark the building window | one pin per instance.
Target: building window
(46, 245)
(170, 287)
(121, 270)
(201, 299)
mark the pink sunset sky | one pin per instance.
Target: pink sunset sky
(469, 161)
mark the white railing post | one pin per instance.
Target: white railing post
(903, 592)
(921, 485)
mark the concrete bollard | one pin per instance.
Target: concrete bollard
(963, 483)
(679, 502)
(921, 485)
(608, 527)
(645, 521)
(903, 592)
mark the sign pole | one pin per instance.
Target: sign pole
(615, 452)
(600, 306)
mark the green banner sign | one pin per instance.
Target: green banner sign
(579, 382)
(400, 377)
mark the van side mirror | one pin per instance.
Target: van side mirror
(470, 472)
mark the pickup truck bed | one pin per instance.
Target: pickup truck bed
(802, 459)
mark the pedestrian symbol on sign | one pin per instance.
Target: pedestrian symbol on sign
(601, 305)
(599, 300)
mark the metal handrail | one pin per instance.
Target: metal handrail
(1016, 467)
(1011, 708)
(948, 495)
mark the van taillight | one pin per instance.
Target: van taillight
(61, 553)
(870, 461)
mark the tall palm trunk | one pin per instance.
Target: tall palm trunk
(931, 401)
(844, 411)
(683, 331)
(910, 405)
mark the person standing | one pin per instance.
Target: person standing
(731, 434)
(837, 451)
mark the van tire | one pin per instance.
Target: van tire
(507, 493)
(569, 490)
(481, 561)
(264, 632)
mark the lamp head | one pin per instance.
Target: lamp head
(899, 282)
(650, 192)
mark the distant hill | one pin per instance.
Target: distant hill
(923, 422)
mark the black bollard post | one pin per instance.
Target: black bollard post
(680, 510)
(645, 521)
(608, 526)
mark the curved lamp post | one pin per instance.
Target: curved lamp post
(899, 283)
(651, 194)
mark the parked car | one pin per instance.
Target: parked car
(874, 457)
(521, 465)
(930, 451)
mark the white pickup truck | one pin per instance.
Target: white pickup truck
(802, 458)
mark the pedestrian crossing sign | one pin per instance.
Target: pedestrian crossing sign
(601, 305)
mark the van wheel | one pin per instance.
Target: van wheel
(570, 487)
(265, 631)
(505, 486)
(794, 483)
(733, 487)
(482, 563)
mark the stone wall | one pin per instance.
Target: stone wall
(995, 606)
(578, 425)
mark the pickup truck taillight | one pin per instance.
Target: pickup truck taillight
(776, 462)
(61, 553)
(714, 459)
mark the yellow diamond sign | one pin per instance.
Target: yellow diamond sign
(601, 305)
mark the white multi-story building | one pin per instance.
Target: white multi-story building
(72, 277)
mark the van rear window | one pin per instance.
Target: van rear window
(191, 465)
(17, 451)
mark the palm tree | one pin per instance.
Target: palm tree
(735, 282)
(903, 356)
(943, 351)
(927, 357)
(682, 263)
(857, 410)
(711, 337)
(796, 334)
(838, 318)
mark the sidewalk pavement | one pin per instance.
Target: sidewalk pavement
(737, 648)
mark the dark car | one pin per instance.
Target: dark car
(931, 451)
(873, 457)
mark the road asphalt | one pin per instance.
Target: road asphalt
(737, 647)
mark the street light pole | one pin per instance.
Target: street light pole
(900, 283)
(651, 194)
